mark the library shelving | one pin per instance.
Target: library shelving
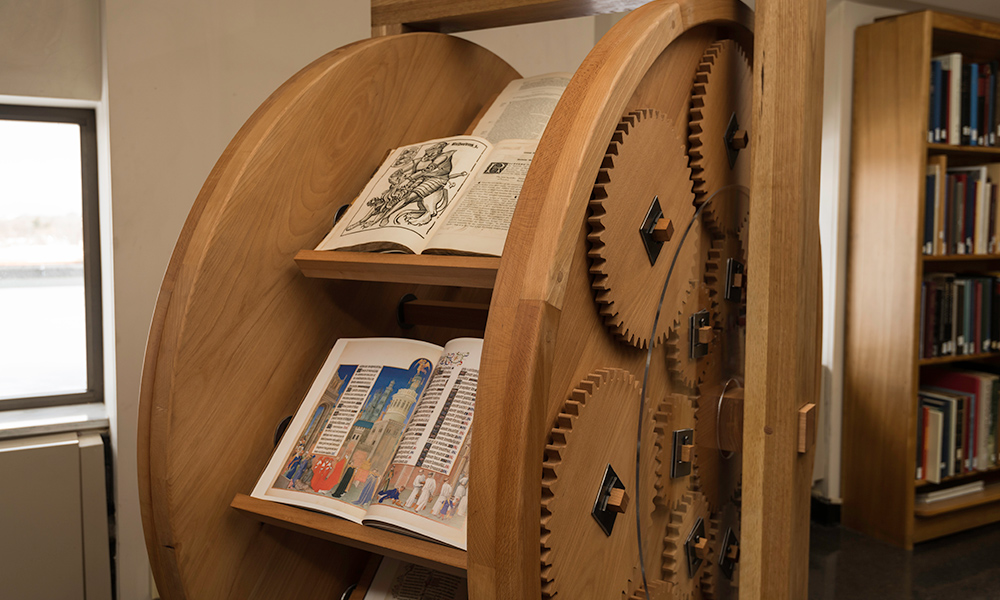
(246, 312)
(886, 268)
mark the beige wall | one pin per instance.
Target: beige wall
(183, 76)
(50, 48)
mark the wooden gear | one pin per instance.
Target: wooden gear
(238, 332)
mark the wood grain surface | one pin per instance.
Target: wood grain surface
(544, 332)
(238, 332)
(370, 539)
(784, 300)
(883, 277)
(457, 271)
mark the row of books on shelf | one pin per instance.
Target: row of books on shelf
(960, 209)
(958, 418)
(963, 106)
(959, 315)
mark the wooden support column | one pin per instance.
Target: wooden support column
(783, 325)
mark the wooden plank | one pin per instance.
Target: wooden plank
(449, 16)
(369, 539)
(941, 360)
(935, 527)
(891, 90)
(442, 313)
(989, 494)
(783, 316)
(459, 271)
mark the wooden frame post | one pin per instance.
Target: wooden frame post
(784, 324)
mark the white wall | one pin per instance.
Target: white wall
(50, 48)
(183, 76)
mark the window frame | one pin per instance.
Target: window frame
(86, 118)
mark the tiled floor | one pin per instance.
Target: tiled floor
(844, 565)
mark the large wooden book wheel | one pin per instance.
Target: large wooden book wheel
(633, 439)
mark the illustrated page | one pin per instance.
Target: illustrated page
(412, 192)
(346, 430)
(480, 222)
(426, 488)
(397, 580)
(523, 108)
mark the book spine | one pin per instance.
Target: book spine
(932, 110)
(977, 312)
(996, 97)
(970, 215)
(966, 104)
(973, 104)
(930, 185)
(987, 296)
(955, 101)
(981, 106)
(921, 437)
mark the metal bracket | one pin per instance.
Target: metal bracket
(280, 429)
(699, 321)
(654, 214)
(733, 143)
(727, 559)
(735, 280)
(680, 465)
(340, 213)
(691, 546)
(401, 312)
(603, 513)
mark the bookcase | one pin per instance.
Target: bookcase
(247, 312)
(886, 267)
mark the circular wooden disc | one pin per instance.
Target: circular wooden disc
(238, 332)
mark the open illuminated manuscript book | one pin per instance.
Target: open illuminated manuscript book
(397, 580)
(454, 195)
(383, 438)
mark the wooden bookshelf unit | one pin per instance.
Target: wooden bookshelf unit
(247, 314)
(887, 267)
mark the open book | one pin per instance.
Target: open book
(454, 195)
(397, 580)
(383, 438)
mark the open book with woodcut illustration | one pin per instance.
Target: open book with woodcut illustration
(453, 195)
(383, 438)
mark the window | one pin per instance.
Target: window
(50, 279)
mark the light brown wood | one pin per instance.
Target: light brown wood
(369, 539)
(929, 528)
(458, 271)
(730, 420)
(705, 334)
(618, 500)
(449, 16)
(545, 332)
(783, 322)
(663, 230)
(990, 494)
(237, 326)
(880, 376)
(371, 567)
(687, 452)
(807, 428)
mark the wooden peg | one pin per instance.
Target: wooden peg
(733, 552)
(686, 451)
(807, 428)
(705, 334)
(701, 548)
(741, 139)
(738, 280)
(617, 500)
(663, 230)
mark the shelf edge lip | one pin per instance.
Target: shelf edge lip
(282, 515)
(427, 269)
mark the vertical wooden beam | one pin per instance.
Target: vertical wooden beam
(783, 280)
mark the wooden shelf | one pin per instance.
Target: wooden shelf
(959, 477)
(984, 151)
(960, 257)
(458, 271)
(988, 495)
(370, 539)
(943, 360)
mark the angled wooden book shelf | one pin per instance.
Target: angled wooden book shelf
(660, 111)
